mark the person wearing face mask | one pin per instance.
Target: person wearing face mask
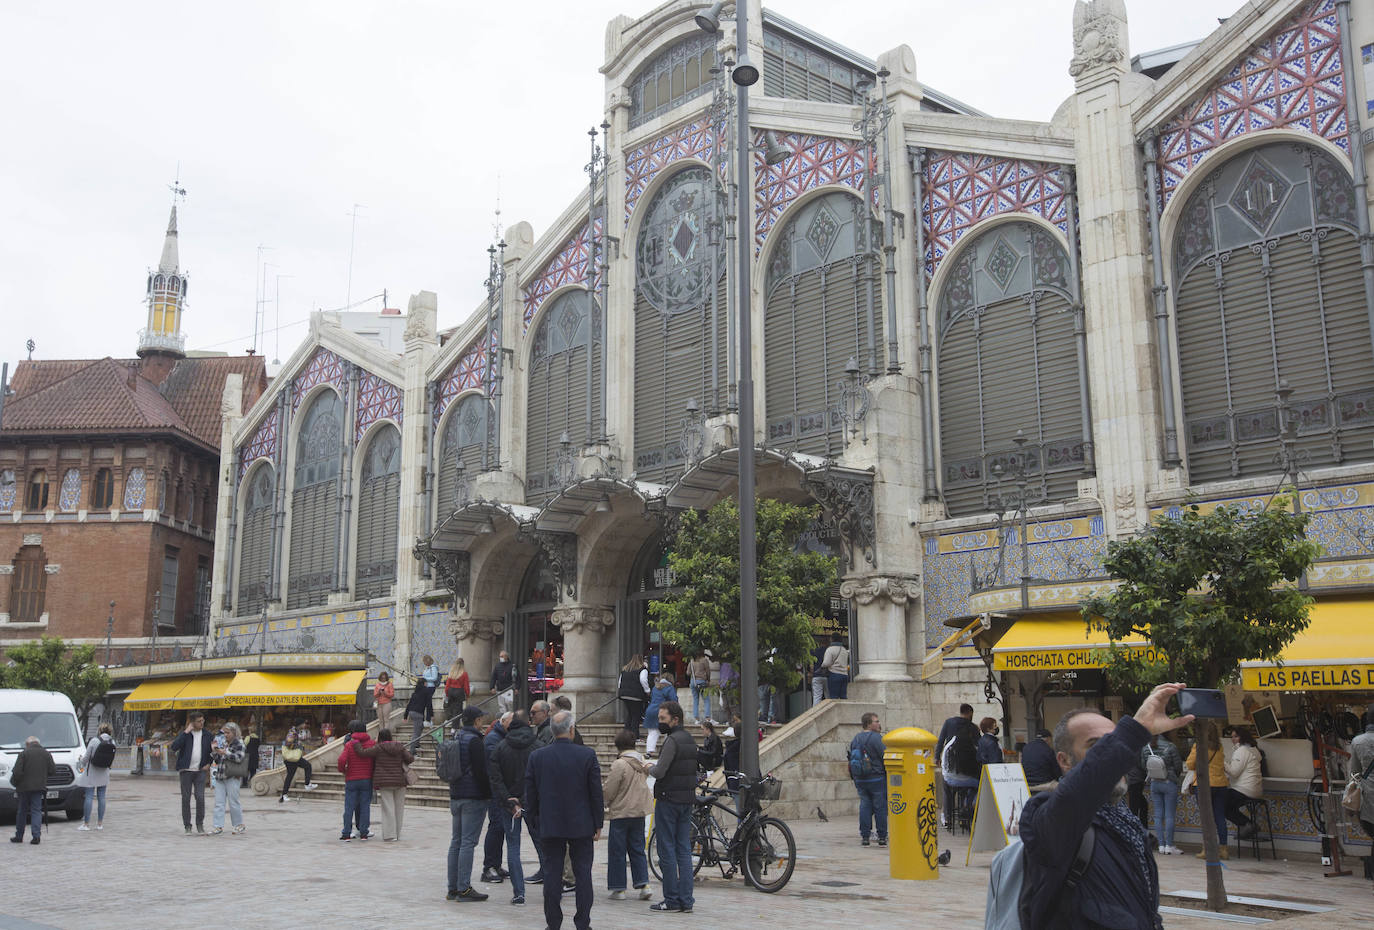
(989, 749)
(675, 779)
(503, 682)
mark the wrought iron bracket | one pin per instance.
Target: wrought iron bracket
(561, 551)
(846, 497)
(452, 567)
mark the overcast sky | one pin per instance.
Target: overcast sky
(283, 115)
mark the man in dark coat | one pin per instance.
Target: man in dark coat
(1120, 888)
(1037, 759)
(496, 834)
(563, 790)
(509, 761)
(468, 798)
(32, 769)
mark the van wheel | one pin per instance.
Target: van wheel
(74, 813)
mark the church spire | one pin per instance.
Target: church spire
(162, 339)
(168, 264)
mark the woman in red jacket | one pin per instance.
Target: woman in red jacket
(457, 687)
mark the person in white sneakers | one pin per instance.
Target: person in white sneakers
(293, 757)
(1163, 774)
(99, 756)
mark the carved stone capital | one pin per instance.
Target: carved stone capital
(899, 589)
(474, 628)
(583, 619)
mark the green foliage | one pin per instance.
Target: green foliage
(49, 664)
(793, 588)
(1209, 591)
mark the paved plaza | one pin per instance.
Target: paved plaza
(290, 870)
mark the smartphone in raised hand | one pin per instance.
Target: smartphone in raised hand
(1203, 703)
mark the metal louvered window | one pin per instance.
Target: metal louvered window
(557, 400)
(816, 319)
(681, 333)
(794, 69)
(259, 493)
(676, 75)
(315, 504)
(1268, 289)
(379, 511)
(1008, 361)
(167, 603)
(464, 429)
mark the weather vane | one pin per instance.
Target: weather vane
(30, 345)
(176, 188)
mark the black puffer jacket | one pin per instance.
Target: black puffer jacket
(510, 759)
(32, 769)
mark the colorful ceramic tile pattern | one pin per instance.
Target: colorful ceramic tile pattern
(135, 489)
(69, 497)
(815, 161)
(1295, 79)
(642, 165)
(324, 367)
(263, 442)
(377, 399)
(569, 266)
(962, 189)
(466, 374)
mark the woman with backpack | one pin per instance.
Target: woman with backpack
(230, 758)
(99, 756)
(1163, 774)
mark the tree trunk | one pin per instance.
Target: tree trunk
(1216, 886)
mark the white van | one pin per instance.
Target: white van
(49, 716)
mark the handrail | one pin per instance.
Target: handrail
(600, 706)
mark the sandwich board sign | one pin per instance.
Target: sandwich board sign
(1002, 794)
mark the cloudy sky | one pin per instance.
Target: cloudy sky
(283, 115)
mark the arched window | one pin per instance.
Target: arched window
(680, 321)
(379, 508)
(315, 503)
(1008, 362)
(37, 496)
(557, 399)
(464, 431)
(676, 75)
(258, 493)
(183, 510)
(815, 320)
(102, 491)
(69, 495)
(28, 585)
(1267, 288)
(135, 489)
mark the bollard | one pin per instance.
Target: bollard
(914, 820)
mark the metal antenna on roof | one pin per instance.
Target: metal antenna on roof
(496, 223)
(260, 300)
(352, 237)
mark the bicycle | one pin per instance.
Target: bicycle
(761, 848)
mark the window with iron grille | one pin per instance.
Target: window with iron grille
(1007, 361)
(37, 496)
(102, 491)
(815, 320)
(258, 492)
(167, 603)
(1267, 288)
(379, 507)
(202, 614)
(465, 428)
(802, 72)
(557, 400)
(676, 75)
(28, 585)
(315, 503)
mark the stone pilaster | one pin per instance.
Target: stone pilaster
(477, 638)
(584, 630)
(885, 605)
(226, 510)
(421, 342)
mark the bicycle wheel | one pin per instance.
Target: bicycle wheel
(698, 847)
(770, 855)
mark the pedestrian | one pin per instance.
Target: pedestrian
(1218, 783)
(1362, 769)
(99, 756)
(663, 692)
(192, 748)
(1245, 780)
(962, 771)
(628, 802)
(32, 769)
(1163, 774)
(390, 761)
(989, 748)
(699, 672)
(1038, 762)
(430, 674)
(252, 742)
(543, 736)
(836, 667)
(954, 725)
(457, 687)
(818, 692)
(563, 702)
(503, 681)
(230, 757)
(563, 790)
(712, 752)
(675, 780)
(870, 778)
(496, 832)
(468, 795)
(633, 690)
(730, 761)
(729, 691)
(293, 757)
(417, 712)
(383, 693)
(1120, 887)
(357, 772)
(508, 763)
(1135, 794)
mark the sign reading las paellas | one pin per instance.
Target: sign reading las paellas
(1308, 677)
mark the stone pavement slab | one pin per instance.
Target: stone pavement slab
(290, 870)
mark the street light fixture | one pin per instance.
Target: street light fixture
(774, 152)
(709, 21)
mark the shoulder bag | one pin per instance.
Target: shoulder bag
(1352, 798)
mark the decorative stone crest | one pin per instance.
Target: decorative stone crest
(452, 569)
(474, 628)
(583, 619)
(1124, 501)
(899, 589)
(1098, 28)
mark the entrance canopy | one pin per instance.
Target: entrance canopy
(203, 692)
(275, 688)
(565, 510)
(700, 485)
(1334, 653)
(155, 695)
(1053, 642)
(460, 529)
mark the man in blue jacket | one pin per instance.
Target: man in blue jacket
(563, 791)
(496, 834)
(467, 802)
(192, 747)
(1120, 888)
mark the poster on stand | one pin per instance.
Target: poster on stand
(1002, 794)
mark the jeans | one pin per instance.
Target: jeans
(626, 840)
(510, 825)
(30, 809)
(227, 794)
(766, 710)
(417, 723)
(1235, 806)
(92, 793)
(496, 835)
(872, 806)
(817, 688)
(532, 828)
(673, 831)
(468, 815)
(1164, 797)
(193, 782)
(1219, 813)
(838, 685)
(357, 807)
(698, 698)
(579, 850)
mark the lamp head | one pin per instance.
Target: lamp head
(709, 20)
(774, 152)
(603, 505)
(746, 73)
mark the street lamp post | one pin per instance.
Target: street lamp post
(109, 637)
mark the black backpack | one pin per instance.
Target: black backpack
(448, 762)
(104, 754)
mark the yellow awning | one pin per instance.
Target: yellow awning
(1334, 653)
(155, 695)
(935, 662)
(1050, 642)
(202, 693)
(273, 688)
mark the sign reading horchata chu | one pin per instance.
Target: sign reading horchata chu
(1308, 677)
(1071, 657)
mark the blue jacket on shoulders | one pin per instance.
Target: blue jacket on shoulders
(182, 747)
(563, 790)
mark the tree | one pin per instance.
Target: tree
(49, 664)
(1209, 590)
(793, 588)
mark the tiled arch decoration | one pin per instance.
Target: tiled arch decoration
(1294, 79)
(963, 189)
(378, 399)
(468, 372)
(262, 443)
(643, 164)
(569, 266)
(815, 161)
(324, 367)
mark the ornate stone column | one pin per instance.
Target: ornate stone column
(476, 638)
(883, 603)
(583, 634)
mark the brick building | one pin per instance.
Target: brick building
(108, 484)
